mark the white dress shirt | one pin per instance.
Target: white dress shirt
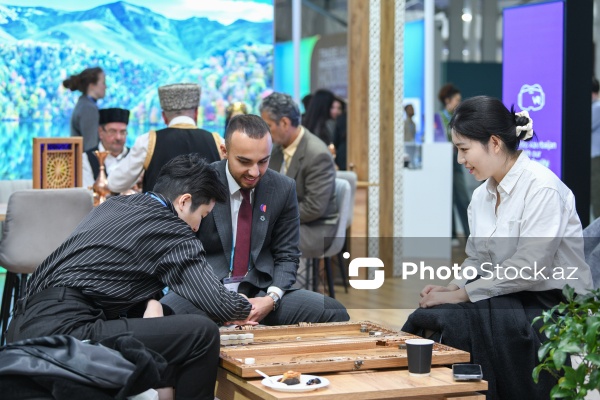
(535, 229)
(109, 164)
(125, 175)
(236, 202)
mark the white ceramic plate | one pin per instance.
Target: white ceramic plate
(301, 387)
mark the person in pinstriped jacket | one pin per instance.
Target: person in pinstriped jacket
(104, 278)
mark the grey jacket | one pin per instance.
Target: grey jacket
(313, 169)
(84, 122)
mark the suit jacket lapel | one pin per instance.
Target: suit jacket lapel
(222, 215)
(276, 158)
(260, 215)
(296, 162)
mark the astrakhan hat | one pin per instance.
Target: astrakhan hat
(108, 115)
(180, 96)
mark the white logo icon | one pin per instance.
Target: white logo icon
(365, 262)
(532, 97)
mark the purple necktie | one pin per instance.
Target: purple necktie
(242, 238)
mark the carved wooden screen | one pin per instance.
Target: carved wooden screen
(57, 162)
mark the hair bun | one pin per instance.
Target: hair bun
(72, 83)
(521, 120)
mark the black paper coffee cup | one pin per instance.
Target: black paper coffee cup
(418, 352)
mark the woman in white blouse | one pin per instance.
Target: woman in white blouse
(525, 245)
(522, 219)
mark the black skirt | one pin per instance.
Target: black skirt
(499, 335)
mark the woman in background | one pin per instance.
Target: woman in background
(91, 82)
(318, 116)
(338, 107)
(450, 98)
(526, 241)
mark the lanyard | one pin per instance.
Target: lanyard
(158, 198)
(232, 254)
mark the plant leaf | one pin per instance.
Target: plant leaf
(559, 358)
(591, 334)
(557, 393)
(568, 292)
(593, 358)
(535, 374)
(581, 372)
(571, 348)
(569, 373)
(543, 350)
(594, 381)
(565, 383)
(562, 307)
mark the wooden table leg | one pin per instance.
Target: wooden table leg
(228, 390)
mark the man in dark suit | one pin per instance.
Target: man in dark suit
(251, 240)
(302, 156)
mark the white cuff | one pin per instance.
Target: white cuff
(275, 290)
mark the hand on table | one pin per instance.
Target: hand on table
(240, 323)
(247, 320)
(261, 307)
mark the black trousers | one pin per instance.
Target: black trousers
(189, 343)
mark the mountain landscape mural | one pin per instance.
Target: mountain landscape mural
(139, 51)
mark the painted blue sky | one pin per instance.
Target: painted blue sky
(224, 11)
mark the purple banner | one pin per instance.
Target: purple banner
(532, 75)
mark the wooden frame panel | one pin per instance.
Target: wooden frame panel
(57, 162)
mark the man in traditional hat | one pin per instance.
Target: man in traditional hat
(112, 133)
(152, 150)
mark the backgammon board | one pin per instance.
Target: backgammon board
(329, 347)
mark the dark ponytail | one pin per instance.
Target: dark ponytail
(83, 80)
(480, 117)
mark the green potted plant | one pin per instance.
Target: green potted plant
(571, 328)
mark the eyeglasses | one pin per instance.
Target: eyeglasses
(114, 132)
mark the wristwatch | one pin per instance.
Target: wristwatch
(275, 298)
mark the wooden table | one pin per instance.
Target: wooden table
(361, 359)
(3, 211)
(359, 385)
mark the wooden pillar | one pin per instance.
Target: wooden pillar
(358, 87)
(386, 160)
(358, 104)
(363, 151)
